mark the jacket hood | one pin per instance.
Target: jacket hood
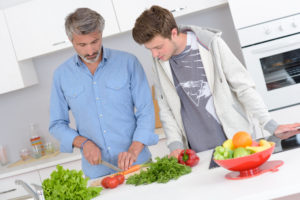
(205, 36)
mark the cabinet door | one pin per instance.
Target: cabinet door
(127, 15)
(45, 173)
(179, 7)
(9, 184)
(37, 26)
(13, 75)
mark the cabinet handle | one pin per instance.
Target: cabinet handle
(177, 10)
(7, 191)
(58, 43)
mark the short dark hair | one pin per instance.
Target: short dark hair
(152, 22)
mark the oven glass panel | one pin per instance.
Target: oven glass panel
(281, 70)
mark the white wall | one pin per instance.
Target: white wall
(31, 105)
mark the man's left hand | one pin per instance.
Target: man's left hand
(126, 159)
(287, 130)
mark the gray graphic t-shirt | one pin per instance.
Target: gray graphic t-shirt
(200, 121)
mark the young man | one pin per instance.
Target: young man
(204, 93)
(102, 87)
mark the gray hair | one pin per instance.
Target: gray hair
(83, 21)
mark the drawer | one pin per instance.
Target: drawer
(45, 173)
(9, 183)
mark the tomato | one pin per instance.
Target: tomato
(112, 182)
(104, 182)
(120, 178)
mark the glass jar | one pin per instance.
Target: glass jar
(49, 147)
(24, 154)
(36, 151)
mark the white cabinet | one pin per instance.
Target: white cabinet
(37, 26)
(13, 74)
(9, 184)
(249, 13)
(179, 7)
(46, 172)
(128, 11)
(127, 15)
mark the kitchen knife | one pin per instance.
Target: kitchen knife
(107, 164)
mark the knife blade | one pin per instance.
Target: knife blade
(107, 164)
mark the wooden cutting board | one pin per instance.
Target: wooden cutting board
(97, 182)
(31, 159)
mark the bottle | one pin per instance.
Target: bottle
(36, 142)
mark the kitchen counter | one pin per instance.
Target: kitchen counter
(49, 162)
(203, 183)
(40, 164)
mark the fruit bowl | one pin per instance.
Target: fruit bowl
(250, 165)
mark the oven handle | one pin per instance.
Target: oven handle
(279, 46)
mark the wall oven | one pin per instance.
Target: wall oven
(272, 56)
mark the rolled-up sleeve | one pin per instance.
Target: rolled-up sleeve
(142, 98)
(59, 117)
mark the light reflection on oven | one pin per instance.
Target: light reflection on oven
(281, 70)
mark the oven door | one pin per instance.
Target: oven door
(275, 68)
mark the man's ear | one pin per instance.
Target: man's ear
(174, 33)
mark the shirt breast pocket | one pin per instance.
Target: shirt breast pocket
(118, 88)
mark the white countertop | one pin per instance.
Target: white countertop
(40, 164)
(53, 161)
(211, 184)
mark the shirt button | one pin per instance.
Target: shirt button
(108, 148)
(94, 82)
(100, 115)
(97, 98)
(104, 131)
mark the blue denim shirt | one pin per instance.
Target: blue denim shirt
(112, 108)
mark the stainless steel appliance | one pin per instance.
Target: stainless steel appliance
(269, 34)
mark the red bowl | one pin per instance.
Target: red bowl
(247, 165)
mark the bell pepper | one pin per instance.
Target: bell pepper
(188, 157)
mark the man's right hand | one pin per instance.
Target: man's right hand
(175, 153)
(92, 153)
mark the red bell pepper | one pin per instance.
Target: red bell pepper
(188, 157)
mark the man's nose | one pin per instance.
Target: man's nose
(154, 53)
(90, 50)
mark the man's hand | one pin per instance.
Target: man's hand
(175, 153)
(126, 159)
(287, 130)
(92, 153)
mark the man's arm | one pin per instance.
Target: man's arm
(169, 123)
(145, 121)
(59, 117)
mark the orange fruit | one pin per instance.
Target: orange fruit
(241, 139)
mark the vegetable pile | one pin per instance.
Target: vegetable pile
(161, 171)
(68, 184)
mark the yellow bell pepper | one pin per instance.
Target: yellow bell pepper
(228, 144)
